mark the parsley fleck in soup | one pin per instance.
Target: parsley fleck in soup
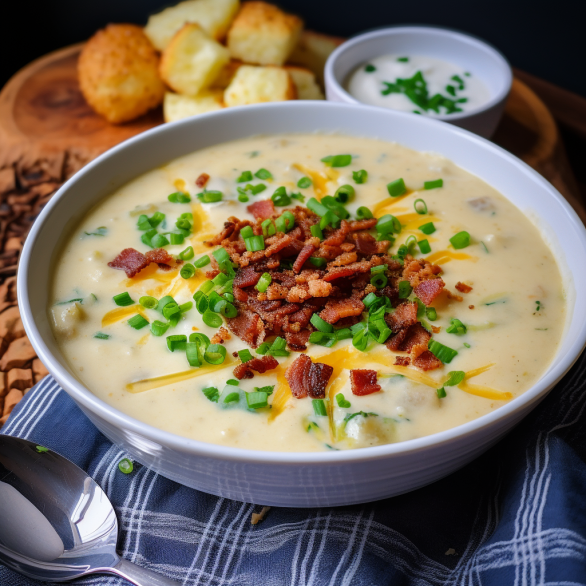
(307, 292)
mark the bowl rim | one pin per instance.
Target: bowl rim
(464, 38)
(129, 424)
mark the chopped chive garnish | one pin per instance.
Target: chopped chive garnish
(234, 382)
(245, 355)
(278, 348)
(318, 262)
(158, 328)
(378, 269)
(285, 222)
(42, 449)
(484, 246)
(183, 224)
(468, 345)
(268, 228)
(263, 282)
(146, 238)
(404, 289)
(319, 407)
(316, 231)
(101, 336)
(268, 389)
(263, 174)
(456, 327)
(245, 176)
(337, 160)
(379, 281)
(220, 280)
(246, 232)
(158, 241)
(316, 207)
(179, 197)
(156, 219)
(263, 348)
(280, 197)
(176, 342)
(254, 243)
(122, 299)
(298, 197)
(148, 302)
(330, 219)
(433, 184)
(396, 187)
(388, 224)
(360, 176)
(211, 393)
(125, 466)
(211, 319)
(403, 59)
(455, 377)
(344, 193)
(256, 189)
(431, 313)
(460, 240)
(441, 393)
(215, 354)
(202, 261)
(322, 339)
(369, 68)
(304, 183)
(186, 254)
(321, 325)
(340, 399)
(187, 271)
(424, 246)
(232, 397)
(243, 198)
(256, 400)
(192, 354)
(410, 242)
(176, 238)
(369, 299)
(420, 206)
(443, 353)
(137, 322)
(101, 231)
(451, 90)
(428, 228)
(210, 196)
(143, 223)
(363, 213)
(343, 334)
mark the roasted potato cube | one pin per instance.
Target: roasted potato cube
(214, 17)
(253, 85)
(118, 72)
(263, 34)
(312, 51)
(177, 107)
(305, 84)
(66, 318)
(192, 60)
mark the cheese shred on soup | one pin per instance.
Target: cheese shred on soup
(305, 293)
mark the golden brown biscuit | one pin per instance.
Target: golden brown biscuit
(118, 73)
(255, 85)
(305, 83)
(177, 107)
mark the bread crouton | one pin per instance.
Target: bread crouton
(177, 107)
(118, 73)
(305, 84)
(226, 75)
(192, 60)
(214, 17)
(253, 85)
(263, 34)
(312, 51)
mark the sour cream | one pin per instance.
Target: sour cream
(369, 83)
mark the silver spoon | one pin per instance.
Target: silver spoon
(56, 523)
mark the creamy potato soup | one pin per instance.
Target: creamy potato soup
(305, 293)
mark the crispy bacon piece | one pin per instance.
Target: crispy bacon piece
(366, 245)
(364, 382)
(427, 291)
(336, 309)
(130, 261)
(402, 361)
(260, 365)
(404, 316)
(319, 288)
(248, 327)
(345, 258)
(162, 258)
(221, 336)
(202, 180)
(262, 210)
(246, 277)
(454, 296)
(427, 361)
(277, 291)
(298, 294)
(406, 339)
(463, 288)
(308, 378)
(348, 270)
(416, 271)
(302, 316)
(297, 341)
(303, 256)
(229, 228)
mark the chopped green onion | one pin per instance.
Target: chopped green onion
(441, 393)
(125, 466)
(455, 378)
(316, 231)
(254, 243)
(42, 449)
(158, 328)
(335, 206)
(304, 183)
(456, 327)
(211, 393)
(322, 339)
(280, 197)
(379, 280)
(210, 196)
(321, 325)
(143, 223)
(195, 348)
(340, 399)
(330, 219)
(256, 189)
(183, 224)
(424, 246)
(428, 228)
(211, 319)
(433, 184)
(243, 198)
(245, 176)
(245, 355)
(388, 224)
(278, 348)
(268, 389)
(101, 336)
(369, 68)
(176, 342)
(460, 240)
(337, 160)
(158, 241)
(343, 334)
(319, 407)
(403, 59)
(378, 269)
(318, 262)
(363, 213)
(222, 258)
(360, 339)
(263, 282)
(186, 254)
(263, 174)
(246, 232)
(215, 354)
(123, 299)
(431, 313)
(298, 196)
(201, 301)
(229, 310)
(137, 322)
(187, 271)
(443, 353)
(268, 228)
(410, 242)
(360, 176)
(228, 297)
(396, 187)
(344, 193)
(234, 382)
(202, 261)
(148, 302)
(263, 348)
(285, 222)
(232, 397)
(179, 197)
(256, 400)
(101, 231)
(186, 306)
(369, 299)
(156, 219)
(404, 289)
(192, 354)
(316, 207)
(164, 301)
(216, 302)
(147, 237)
(484, 246)
(420, 206)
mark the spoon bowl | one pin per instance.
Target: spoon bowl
(56, 523)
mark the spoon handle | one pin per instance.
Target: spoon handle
(140, 576)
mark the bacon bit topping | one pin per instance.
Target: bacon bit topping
(453, 296)
(463, 288)
(402, 361)
(471, 307)
(262, 210)
(307, 378)
(202, 180)
(304, 255)
(163, 259)
(427, 291)
(364, 382)
(427, 361)
(246, 277)
(248, 327)
(229, 228)
(319, 288)
(406, 339)
(221, 336)
(336, 309)
(260, 365)
(404, 316)
(130, 261)
(297, 341)
(435, 329)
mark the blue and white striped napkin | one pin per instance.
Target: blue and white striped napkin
(517, 515)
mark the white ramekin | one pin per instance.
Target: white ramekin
(468, 52)
(300, 479)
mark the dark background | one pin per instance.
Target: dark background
(545, 39)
